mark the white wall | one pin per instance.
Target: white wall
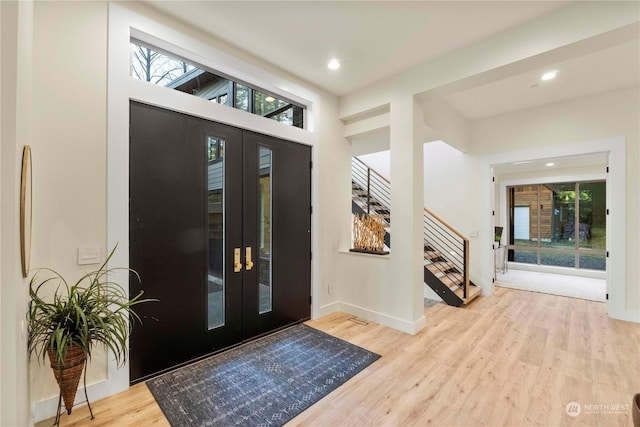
(69, 150)
(380, 162)
(561, 129)
(16, 31)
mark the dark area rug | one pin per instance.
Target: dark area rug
(266, 382)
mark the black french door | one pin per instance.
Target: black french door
(220, 233)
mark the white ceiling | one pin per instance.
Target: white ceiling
(372, 39)
(377, 39)
(596, 72)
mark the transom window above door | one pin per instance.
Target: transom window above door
(164, 69)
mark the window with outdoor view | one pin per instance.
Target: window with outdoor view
(558, 224)
(152, 65)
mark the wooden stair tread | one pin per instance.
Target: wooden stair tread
(440, 266)
(432, 254)
(474, 291)
(451, 279)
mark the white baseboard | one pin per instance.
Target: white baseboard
(384, 319)
(46, 409)
(628, 316)
(329, 308)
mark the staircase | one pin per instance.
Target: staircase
(446, 251)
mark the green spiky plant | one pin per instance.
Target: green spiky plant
(92, 310)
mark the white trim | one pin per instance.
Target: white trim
(122, 88)
(381, 318)
(616, 202)
(42, 410)
(174, 100)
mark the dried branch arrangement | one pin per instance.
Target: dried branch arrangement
(368, 233)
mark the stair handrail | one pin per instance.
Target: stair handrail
(376, 181)
(375, 172)
(465, 249)
(378, 188)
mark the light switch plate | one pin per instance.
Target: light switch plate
(88, 256)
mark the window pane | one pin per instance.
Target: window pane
(264, 230)
(242, 98)
(558, 259)
(525, 257)
(593, 215)
(215, 203)
(156, 67)
(265, 104)
(525, 217)
(593, 262)
(557, 215)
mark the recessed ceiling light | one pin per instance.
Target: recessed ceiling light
(549, 75)
(269, 98)
(550, 164)
(334, 64)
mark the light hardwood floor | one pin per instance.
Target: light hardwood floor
(516, 358)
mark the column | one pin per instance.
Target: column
(407, 207)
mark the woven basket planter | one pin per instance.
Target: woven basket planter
(68, 373)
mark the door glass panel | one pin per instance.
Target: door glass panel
(264, 231)
(215, 209)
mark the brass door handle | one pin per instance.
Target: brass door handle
(247, 258)
(237, 264)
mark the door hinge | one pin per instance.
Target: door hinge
(607, 211)
(493, 280)
(607, 297)
(493, 179)
(310, 299)
(607, 169)
(311, 209)
(607, 254)
(493, 213)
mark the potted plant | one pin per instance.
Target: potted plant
(65, 326)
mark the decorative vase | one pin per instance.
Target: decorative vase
(635, 410)
(68, 373)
